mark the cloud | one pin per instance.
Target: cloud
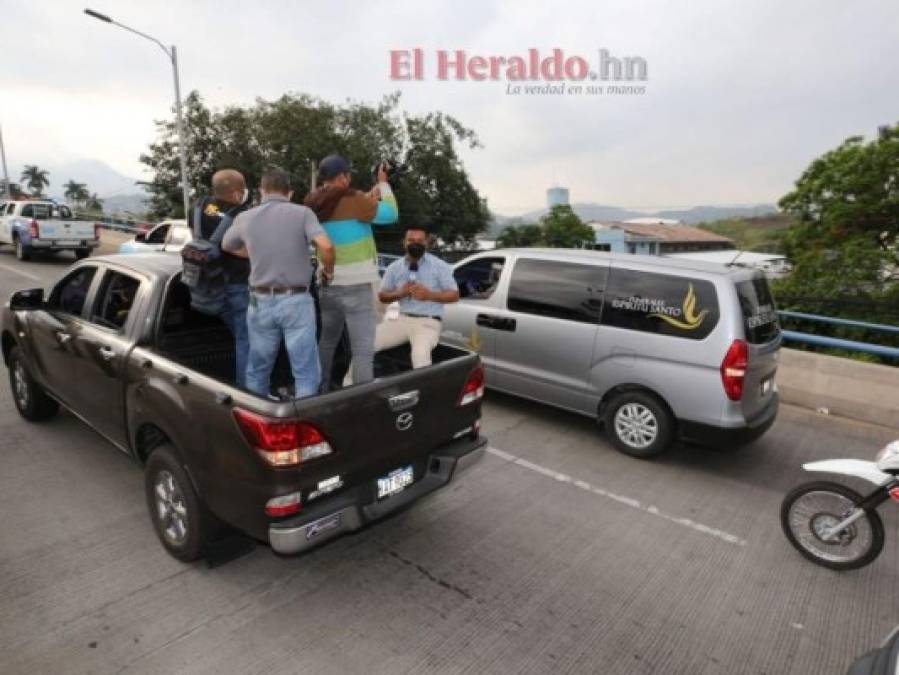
(739, 98)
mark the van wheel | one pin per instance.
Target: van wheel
(638, 424)
(178, 515)
(23, 252)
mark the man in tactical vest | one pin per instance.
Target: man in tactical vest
(229, 198)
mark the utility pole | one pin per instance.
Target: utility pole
(6, 191)
(172, 54)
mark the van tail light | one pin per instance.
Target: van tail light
(97, 228)
(733, 369)
(34, 231)
(473, 389)
(284, 506)
(282, 442)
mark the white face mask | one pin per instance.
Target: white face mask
(244, 196)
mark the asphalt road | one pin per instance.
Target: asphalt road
(554, 554)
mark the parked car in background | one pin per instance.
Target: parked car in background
(41, 225)
(169, 235)
(654, 348)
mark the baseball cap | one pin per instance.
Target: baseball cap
(333, 165)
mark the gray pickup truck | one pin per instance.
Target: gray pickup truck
(117, 343)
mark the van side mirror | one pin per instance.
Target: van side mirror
(30, 299)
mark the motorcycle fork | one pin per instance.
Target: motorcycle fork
(869, 502)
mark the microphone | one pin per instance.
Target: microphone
(413, 272)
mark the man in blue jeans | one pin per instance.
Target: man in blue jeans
(276, 236)
(229, 197)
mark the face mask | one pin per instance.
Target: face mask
(244, 196)
(415, 250)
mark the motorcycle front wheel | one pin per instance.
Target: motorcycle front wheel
(811, 509)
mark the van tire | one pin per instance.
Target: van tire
(31, 400)
(171, 499)
(638, 424)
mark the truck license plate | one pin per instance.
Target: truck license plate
(66, 242)
(395, 481)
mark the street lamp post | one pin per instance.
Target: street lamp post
(172, 54)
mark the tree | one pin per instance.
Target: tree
(76, 192)
(562, 228)
(849, 193)
(520, 236)
(93, 203)
(297, 130)
(36, 179)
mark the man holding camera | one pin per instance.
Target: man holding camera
(347, 216)
(422, 283)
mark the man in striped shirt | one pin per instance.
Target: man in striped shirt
(347, 216)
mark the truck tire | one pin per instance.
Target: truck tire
(23, 252)
(179, 517)
(82, 253)
(31, 400)
(638, 424)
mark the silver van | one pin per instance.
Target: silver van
(654, 348)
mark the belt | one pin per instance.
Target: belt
(423, 316)
(279, 290)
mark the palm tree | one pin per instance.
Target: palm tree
(93, 203)
(75, 192)
(36, 179)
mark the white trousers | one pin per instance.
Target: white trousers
(423, 334)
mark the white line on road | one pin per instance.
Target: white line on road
(627, 501)
(21, 273)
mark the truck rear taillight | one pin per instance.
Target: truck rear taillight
(733, 369)
(284, 506)
(34, 231)
(282, 442)
(473, 389)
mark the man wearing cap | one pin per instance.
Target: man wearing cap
(275, 236)
(422, 283)
(347, 216)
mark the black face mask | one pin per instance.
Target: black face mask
(415, 250)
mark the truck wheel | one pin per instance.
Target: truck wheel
(638, 424)
(31, 400)
(177, 513)
(22, 252)
(82, 253)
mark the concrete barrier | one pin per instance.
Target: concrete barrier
(853, 389)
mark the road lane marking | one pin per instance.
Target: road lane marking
(626, 501)
(21, 273)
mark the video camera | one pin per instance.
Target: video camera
(393, 168)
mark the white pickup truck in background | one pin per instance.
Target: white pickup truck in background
(41, 225)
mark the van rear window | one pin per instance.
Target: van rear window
(759, 312)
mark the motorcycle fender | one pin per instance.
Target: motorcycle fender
(850, 467)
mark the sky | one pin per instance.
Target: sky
(738, 98)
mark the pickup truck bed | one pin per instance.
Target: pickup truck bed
(156, 379)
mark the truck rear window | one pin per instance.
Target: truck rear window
(759, 312)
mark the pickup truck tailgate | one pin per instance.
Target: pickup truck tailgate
(61, 229)
(387, 424)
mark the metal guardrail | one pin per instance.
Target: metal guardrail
(840, 343)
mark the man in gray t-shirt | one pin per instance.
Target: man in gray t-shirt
(276, 236)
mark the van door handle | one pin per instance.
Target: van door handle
(496, 322)
(64, 338)
(106, 353)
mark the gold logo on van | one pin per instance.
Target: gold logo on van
(691, 320)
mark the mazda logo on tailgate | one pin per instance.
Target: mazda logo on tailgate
(404, 421)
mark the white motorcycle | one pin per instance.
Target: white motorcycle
(833, 525)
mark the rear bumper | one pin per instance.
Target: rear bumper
(57, 245)
(353, 508)
(724, 437)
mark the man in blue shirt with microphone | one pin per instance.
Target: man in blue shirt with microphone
(422, 283)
